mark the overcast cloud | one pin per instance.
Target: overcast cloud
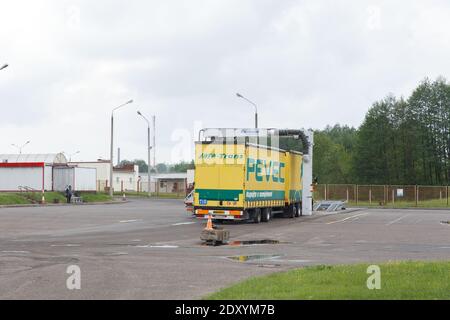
(305, 63)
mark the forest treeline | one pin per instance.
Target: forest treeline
(401, 141)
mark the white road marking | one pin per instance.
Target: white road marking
(66, 245)
(127, 221)
(117, 254)
(158, 246)
(396, 220)
(182, 223)
(342, 220)
(15, 251)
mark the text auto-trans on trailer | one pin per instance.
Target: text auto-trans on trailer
(242, 174)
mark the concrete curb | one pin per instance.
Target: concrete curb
(31, 205)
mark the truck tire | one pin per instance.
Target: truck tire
(257, 216)
(290, 211)
(265, 215)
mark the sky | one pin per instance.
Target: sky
(306, 64)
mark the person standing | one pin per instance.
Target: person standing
(68, 193)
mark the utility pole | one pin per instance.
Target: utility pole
(154, 141)
(148, 150)
(111, 165)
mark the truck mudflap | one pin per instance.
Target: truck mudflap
(221, 214)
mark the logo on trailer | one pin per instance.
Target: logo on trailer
(265, 170)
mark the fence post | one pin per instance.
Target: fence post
(416, 195)
(370, 194)
(347, 195)
(447, 196)
(393, 197)
(384, 195)
(326, 190)
(357, 194)
(418, 192)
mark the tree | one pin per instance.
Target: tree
(182, 166)
(161, 168)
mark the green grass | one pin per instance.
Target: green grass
(180, 195)
(399, 280)
(95, 197)
(12, 198)
(435, 203)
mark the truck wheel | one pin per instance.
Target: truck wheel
(291, 211)
(257, 216)
(297, 210)
(265, 215)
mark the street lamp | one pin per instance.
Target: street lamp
(4, 66)
(256, 107)
(20, 147)
(112, 146)
(70, 155)
(149, 148)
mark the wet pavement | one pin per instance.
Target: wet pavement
(151, 249)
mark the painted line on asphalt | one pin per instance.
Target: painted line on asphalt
(127, 221)
(343, 220)
(15, 251)
(66, 245)
(158, 246)
(397, 220)
(182, 223)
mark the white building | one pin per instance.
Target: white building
(28, 171)
(126, 178)
(103, 170)
(164, 182)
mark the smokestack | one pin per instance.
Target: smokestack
(118, 156)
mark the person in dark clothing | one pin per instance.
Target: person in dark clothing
(68, 193)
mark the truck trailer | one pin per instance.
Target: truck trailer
(240, 180)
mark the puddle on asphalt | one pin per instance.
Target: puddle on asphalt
(242, 243)
(254, 242)
(255, 257)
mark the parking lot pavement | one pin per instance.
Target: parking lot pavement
(150, 249)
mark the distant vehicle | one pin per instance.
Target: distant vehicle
(244, 181)
(189, 202)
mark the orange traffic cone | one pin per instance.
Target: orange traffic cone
(209, 224)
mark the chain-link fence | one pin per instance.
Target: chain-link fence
(385, 195)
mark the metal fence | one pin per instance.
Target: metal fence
(157, 188)
(385, 195)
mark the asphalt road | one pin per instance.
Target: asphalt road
(150, 249)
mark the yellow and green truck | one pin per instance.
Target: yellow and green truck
(245, 181)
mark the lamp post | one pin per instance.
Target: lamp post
(20, 147)
(112, 147)
(70, 155)
(148, 150)
(4, 66)
(254, 104)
